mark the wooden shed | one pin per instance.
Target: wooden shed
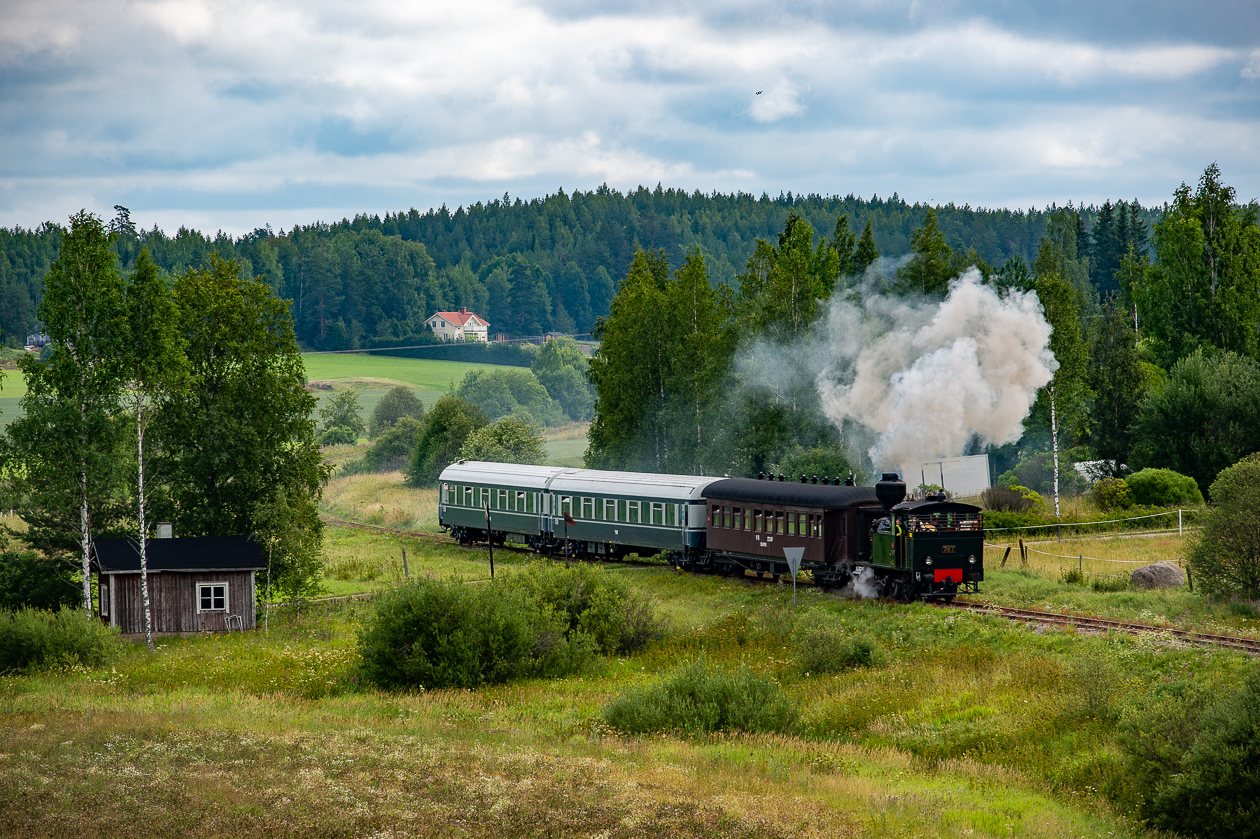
(196, 584)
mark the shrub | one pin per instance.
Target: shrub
(1005, 500)
(696, 699)
(506, 391)
(829, 461)
(589, 600)
(824, 646)
(393, 448)
(30, 579)
(338, 435)
(341, 410)
(445, 429)
(1225, 557)
(510, 440)
(1192, 771)
(35, 638)
(397, 403)
(1163, 488)
(446, 634)
(1112, 494)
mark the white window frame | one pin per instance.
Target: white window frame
(211, 585)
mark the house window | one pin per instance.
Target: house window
(212, 597)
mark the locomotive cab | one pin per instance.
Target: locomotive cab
(929, 549)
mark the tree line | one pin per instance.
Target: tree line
(528, 266)
(1154, 328)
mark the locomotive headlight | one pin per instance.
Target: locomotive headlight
(928, 561)
(972, 559)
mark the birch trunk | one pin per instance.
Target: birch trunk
(144, 556)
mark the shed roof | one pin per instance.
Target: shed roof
(190, 553)
(823, 496)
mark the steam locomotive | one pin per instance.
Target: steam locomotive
(929, 549)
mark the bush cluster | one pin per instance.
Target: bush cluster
(37, 638)
(1191, 762)
(548, 621)
(698, 699)
(1005, 500)
(824, 646)
(1112, 494)
(1163, 488)
(1225, 556)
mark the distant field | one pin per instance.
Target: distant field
(420, 373)
(12, 389)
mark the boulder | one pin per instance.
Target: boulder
(1158, 575)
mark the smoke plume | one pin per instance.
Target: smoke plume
(928, 377)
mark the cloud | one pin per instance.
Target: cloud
(775, 102)
(271, 103)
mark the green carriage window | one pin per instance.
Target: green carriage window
(658, 513)
(588, 508)
(632, 508)
(671, 515)
(610, 509)
(621, 510)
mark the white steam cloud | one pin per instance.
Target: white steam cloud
(927, 378)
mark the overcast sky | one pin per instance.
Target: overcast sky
(233, 115)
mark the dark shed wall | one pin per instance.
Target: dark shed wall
(173, 598)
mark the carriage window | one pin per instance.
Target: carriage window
(610, 509)
(671, 515)
(778, 522)
(588, 508)
(621, 511)
(804, 525)
(814, 526)
(726, 517)
(791, 524)
(632, 509)
(748, 518)
(503, 499)
(737, 518)
(566, 504)
(658, 513)
(757, 521)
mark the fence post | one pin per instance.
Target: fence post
(1179, 533)
(1023, 554)
(1005, 555)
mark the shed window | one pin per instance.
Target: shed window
(212, 597)
(104, 599)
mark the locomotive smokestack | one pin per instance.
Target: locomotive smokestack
(890, 490)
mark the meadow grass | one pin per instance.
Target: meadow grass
(381, 498)
(974, 727)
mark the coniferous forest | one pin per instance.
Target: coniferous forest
(551, 263)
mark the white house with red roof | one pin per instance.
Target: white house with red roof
(459, 326)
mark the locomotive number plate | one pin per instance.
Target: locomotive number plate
(948, 549)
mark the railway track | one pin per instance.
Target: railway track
(1250, 646)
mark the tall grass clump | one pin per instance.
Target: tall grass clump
(698, 699)
(36, 639)
(434, 633)
(589, 600)
(824, 646)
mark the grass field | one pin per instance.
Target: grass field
(972, 727)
